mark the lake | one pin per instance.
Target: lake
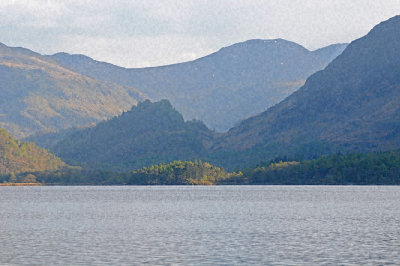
(192, 225)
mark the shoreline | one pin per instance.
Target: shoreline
(19, 184)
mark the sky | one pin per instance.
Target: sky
(142, 33)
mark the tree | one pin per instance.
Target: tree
(30, 178)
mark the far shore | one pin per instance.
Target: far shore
(19, 184)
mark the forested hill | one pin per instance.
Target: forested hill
(149, 133)
(222, 88)
(353, 103)
(17, 157)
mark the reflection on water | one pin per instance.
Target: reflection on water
(200, 225)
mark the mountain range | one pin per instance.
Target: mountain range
(351, 105)
(223, 88)
(46, 94)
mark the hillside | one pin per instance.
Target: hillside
(223, 88)
(149, 133)
(37, 95)
(352, 104)
(17, 157)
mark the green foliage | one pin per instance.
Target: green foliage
(358, 168)
(350, 169)
(180, 173)
(174, 173)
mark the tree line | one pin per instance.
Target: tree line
(381, 168)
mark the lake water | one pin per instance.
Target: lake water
(220, 225)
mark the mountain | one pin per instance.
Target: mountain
(37, 95)
(352, 104)
(17, 157)
(222, 88)
(149, 133)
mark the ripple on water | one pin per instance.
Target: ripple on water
(200, 225)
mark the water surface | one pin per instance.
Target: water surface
(221, 225)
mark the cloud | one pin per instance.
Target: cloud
(133, 51)
(142, 32)
(31, 13)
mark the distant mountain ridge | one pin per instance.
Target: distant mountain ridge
(222, 88)
(37, 95)
(353, 103)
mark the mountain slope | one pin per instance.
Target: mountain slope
(38, 95)
(353, 103)
(17, 157)
(223, 88)
(330, 52)
(148, 134)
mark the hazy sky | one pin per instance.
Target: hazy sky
(137, 33)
